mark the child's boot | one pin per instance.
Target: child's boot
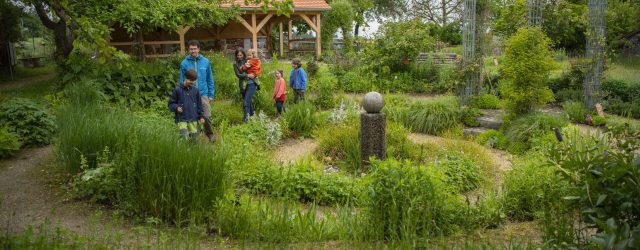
(184, 134)
(194, 136)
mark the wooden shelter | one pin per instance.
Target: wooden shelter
(251, 29)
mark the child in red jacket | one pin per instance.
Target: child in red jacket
(279, 91)
(253, 66)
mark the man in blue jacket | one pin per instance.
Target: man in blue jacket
(205, 83)
(297, 80)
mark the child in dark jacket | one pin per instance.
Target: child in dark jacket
(186, 104)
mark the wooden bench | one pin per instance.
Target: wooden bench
(32, 62)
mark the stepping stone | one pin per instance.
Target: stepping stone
(469, 132)
(489, 122)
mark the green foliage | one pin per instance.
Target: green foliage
(302, 181)
(161, 175)
(341, 145)
(10, 15)
(528, 61)
(357, 81)
(224, 110)
(576, 111)
(621, 22)
(531, 188)
(621, 125)
(32, 123)
(301, 118)
(433, 116)
(485, 101)
(407, 201)
(602, 171)
(395, 42)
(623, 97)
(325, 87)
(521, 131)
(9, 143)
(462, 172)
(493, 139)
(449, 79)
(260, 130)
(469, 116)
(99, 184)
(341, 16)
(599, 120)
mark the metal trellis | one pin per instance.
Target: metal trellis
(471, 75)
(594, 52)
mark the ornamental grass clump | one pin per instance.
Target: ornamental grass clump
(301, 118)
(161, 175)
(406, 201)
(433, 116)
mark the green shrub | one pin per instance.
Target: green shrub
(599, 120)
(302, 181)
(602, 173)
(469, 116)
(448, 79)
(565, 95)
(462, 173)
(325, 87)
(528, 62)
(341, 145)
(398, 144)
(9, 143)
(531, 187)
(621, 125)
(520, 132)
(485, 101)
(619, 107)
(407, 201)
(625, 91)
(301, 118)
(312, 67)
(433, 116)
(27, 119)
(576, 111)
(356, 81)
(493, 139)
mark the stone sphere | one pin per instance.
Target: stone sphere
(373, 102)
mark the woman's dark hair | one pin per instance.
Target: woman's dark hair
(244, 54)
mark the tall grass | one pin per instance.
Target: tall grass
(407, 202)
(520, 132)
(433, 116)
(161, 175)
(301, 118)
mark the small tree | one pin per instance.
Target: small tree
(396, 44)
(528, 62)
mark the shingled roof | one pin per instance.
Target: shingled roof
(298, 5)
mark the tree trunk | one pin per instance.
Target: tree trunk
(356, 29)
(63, 36)
(444, 13)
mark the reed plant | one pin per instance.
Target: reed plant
(433, 116)
(162, 175)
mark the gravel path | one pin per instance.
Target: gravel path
(291, 150)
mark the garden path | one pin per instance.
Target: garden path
(27, 81)
(291, 150)
(31, 194)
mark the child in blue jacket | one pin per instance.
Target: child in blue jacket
(186, 104)
(297, 80)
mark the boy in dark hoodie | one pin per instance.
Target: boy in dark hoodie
(186, 104)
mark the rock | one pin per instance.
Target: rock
(373, 102)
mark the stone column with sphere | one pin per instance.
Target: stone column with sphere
(373, 128)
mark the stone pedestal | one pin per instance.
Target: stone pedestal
(373, 140)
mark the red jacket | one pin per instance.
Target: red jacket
(279, 90)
